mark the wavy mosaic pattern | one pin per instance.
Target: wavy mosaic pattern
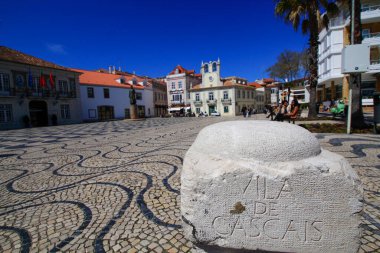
(114, 186)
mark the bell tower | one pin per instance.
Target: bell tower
(211, 74)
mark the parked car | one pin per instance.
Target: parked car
(215, 113)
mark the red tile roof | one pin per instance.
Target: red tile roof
(105, 79)
(8, 54)
(181, 70)
(254, 84)
(268, 80)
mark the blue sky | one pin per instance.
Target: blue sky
(150, 37)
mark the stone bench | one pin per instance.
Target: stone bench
(261, 185)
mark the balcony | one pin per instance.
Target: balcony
(211, 101)
(226, 101)
(67, 94)
(7, 93)
(198, 103)
(370, 13)
(372, 38)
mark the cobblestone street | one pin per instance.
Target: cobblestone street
(115, 186)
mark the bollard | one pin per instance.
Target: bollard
(260, 185)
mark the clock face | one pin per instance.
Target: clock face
(211, 79)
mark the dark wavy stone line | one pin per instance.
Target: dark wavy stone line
(339, 141)
(143, 206)
(357, 149)
(26, 241)
(98, 243)
(16, 177)
(86, 221)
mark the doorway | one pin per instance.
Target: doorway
(38, 113)
(211, 109)
(105, 112)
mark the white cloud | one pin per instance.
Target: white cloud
(56, 48)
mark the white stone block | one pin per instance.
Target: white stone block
(268, 185)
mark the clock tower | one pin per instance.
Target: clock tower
(211, 74)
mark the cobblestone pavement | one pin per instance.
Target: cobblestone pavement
(114, 186)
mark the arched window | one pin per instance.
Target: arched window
(206, 68)
(214, 67)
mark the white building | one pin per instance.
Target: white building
(179, 81)
(226, 96)
(332, 84)
(105, 96)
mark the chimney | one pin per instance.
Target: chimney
(109, 69)
(119, 68)
(114, 70)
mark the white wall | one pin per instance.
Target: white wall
(119, 99)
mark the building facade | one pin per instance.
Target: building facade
(35, 92)
(160, 97)
(332, 84)
(105, 96)
(179, 82)
(226, 96)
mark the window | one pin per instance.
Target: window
(225, 109)
(180, 85)
(211, 96)
(5, 113)
(90, 92)
(225, 94)
(134, 81)
(243, 93)
(106, 93)
(72, 86)
(206, 68)
(198, 110)
(4, 82)
(173, 85)
(214, 67)
(63, 87)
(197, 98)
(138, 96)
(177, 97)
(188, 95)
(366, 33)
(65, 111)
(238, 93)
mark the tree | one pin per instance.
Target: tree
(287, 67)
(307, 15)
(357, 117)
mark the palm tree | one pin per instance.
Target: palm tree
(307, 14)
(357, 117)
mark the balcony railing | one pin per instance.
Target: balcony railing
(27, 92)
(375, 62)
(211, 101)
(197, 103)
(371, 35)
(366, 8)
(7, 93)
(226, 101)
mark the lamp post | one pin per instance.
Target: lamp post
(351, 77)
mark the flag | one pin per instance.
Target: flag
(30, 79)
(42, 80)
(51, 81)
